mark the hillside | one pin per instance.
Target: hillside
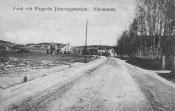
(99, 46)
(5, 42)
(47, 43)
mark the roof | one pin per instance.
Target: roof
(46, 44)
(34, 47)
(30, 46)
(42, 47)
(91, 48)
(61, 46)
(77, 48)
(101, 48)
(56, 45)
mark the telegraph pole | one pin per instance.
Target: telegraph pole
(85, 48)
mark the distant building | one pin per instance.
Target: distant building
(29, 44)
(101, 51)
(53, 48)
(77, 50)
(111, 52)
(92, 51)
(66, 49)
(34, 49)
(7, 48)
(14, 48)
(89, 50)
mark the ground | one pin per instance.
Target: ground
(106, 84)
(18, 65)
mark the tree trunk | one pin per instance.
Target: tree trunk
(173, 67)
(163, 60)
(174, 61)
(163, 50)
(163, 56)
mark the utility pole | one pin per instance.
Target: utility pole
(85, 48)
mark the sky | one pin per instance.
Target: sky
(36, 26)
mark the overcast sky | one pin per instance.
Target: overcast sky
(63, 26)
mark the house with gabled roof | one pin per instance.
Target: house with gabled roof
(77, 50)
(92, 50)
(101, 50)
(66, 49)
(53, 48)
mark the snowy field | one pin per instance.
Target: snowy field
(16, 66)
(105, 84)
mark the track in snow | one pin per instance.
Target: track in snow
(106, 87)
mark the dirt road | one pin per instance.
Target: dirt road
(103, 85)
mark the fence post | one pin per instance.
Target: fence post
(25, 78)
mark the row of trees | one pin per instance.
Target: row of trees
(152, 33)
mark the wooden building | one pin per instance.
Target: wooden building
(52, 49)
(66, 49)
(77, 50)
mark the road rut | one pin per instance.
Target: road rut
(105, 87)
